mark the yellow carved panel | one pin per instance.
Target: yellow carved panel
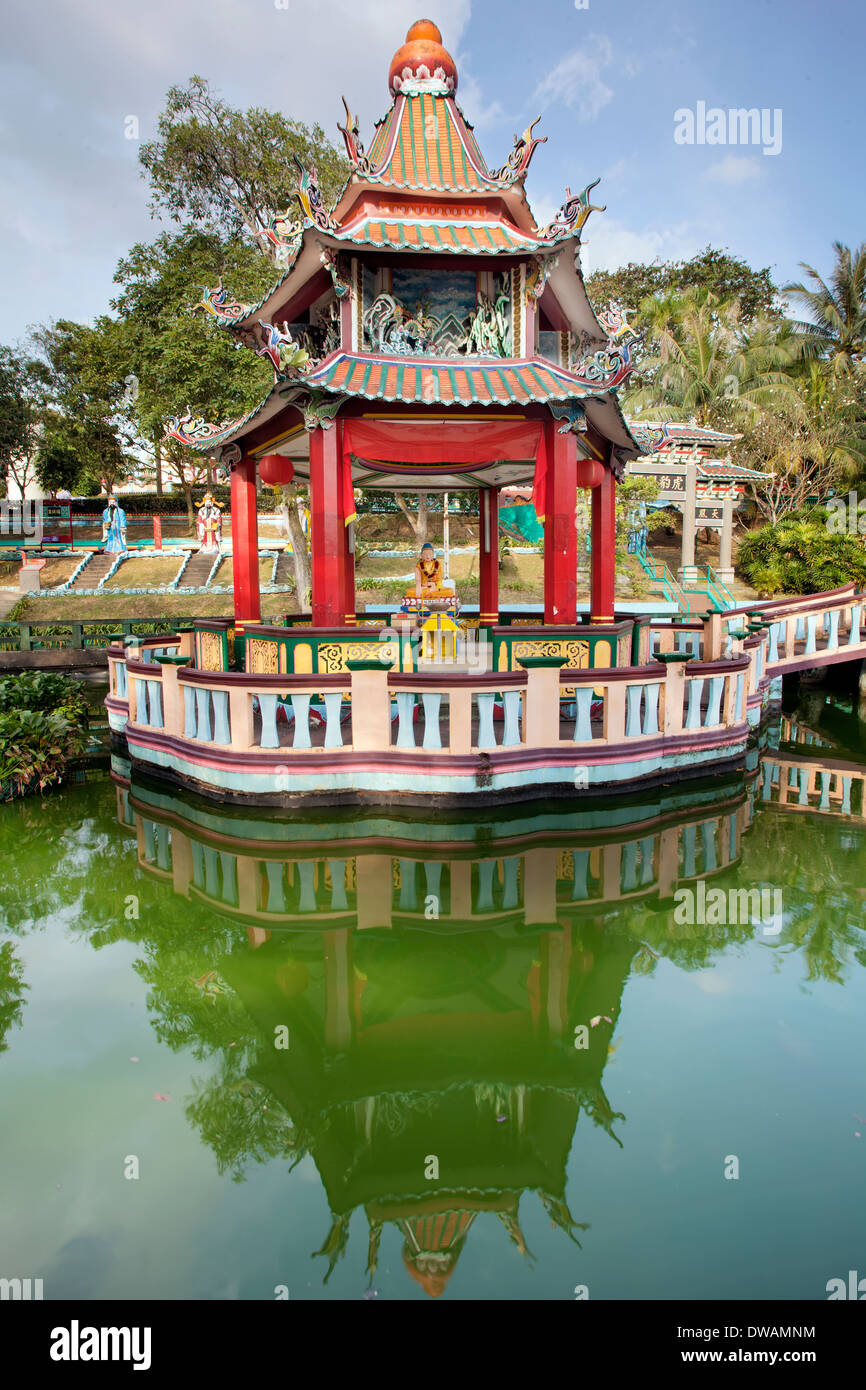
(575, 651)
(210, 648)
(262, 657)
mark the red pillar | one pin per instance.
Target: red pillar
(560, 533)
(603, 549)
(488, 554)
(245, 543)
(328, 540)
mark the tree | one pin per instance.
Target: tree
(723, 275)
(232, 170)
(22, 394)
(802, 554)
(837, 311)
(292, 500)
(85, 389)
(813, 441)
(420, 520)
(702, 363)
(58, 464)
(175, 360)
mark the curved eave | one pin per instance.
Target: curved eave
(604, 413)
(470, 382)
(438, 236)
(266, 409)
(567, 285)
(303, 266)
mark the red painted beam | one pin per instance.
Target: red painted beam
(488, 554)
(560, 533)
(245, 543)
(603, 549)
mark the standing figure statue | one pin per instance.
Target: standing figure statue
(114, 527)
(209, 524)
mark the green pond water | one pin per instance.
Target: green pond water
(472, 1056)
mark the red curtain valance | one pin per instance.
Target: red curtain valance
(474, 442)
(477, 442)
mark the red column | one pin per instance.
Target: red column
(603, 549)
(560, 533)
(245, 543)
(488, 554)
(328, 541)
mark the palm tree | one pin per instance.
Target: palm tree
(837, 311)
(706, 365)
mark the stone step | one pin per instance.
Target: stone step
(285, 569)
(195, 575)
(94, 571)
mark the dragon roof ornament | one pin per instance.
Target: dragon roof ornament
(194, 431)
(518, 161)
(319, 408)
(572, 215)
(351, 133)
(282, 231)
(220, 305)
(310, 198)
(280, 348)
(609, 367)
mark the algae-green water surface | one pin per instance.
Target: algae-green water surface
(357, 1055)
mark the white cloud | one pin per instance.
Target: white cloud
(576, 79)
(71, 74)
(609, 244)
(735, 168)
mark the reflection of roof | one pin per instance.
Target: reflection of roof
(455, 381)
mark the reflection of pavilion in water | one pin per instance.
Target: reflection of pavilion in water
(434, 979)
(807, 776)
(375, 872)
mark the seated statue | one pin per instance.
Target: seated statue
(429, 588)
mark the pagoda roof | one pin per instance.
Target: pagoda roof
(467, 230)
(656, 435)
(452, 381)
(424, 141)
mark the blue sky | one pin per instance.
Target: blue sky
(607, 80)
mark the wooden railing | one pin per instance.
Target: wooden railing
(437, 712)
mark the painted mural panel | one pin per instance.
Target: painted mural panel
(446, 313)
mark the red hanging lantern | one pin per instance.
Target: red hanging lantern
(275, 470)
(589, 472)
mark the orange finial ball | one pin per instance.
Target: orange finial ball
(424, 29)
(422, 59)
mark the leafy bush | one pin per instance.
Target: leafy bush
(44, 692)
(801, 555)
(43, 723)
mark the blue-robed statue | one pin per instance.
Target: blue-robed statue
(114, 527)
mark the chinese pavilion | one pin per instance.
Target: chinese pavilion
(426, 334)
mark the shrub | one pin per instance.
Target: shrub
(43, 724)
(44, 692)
(800, 555)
